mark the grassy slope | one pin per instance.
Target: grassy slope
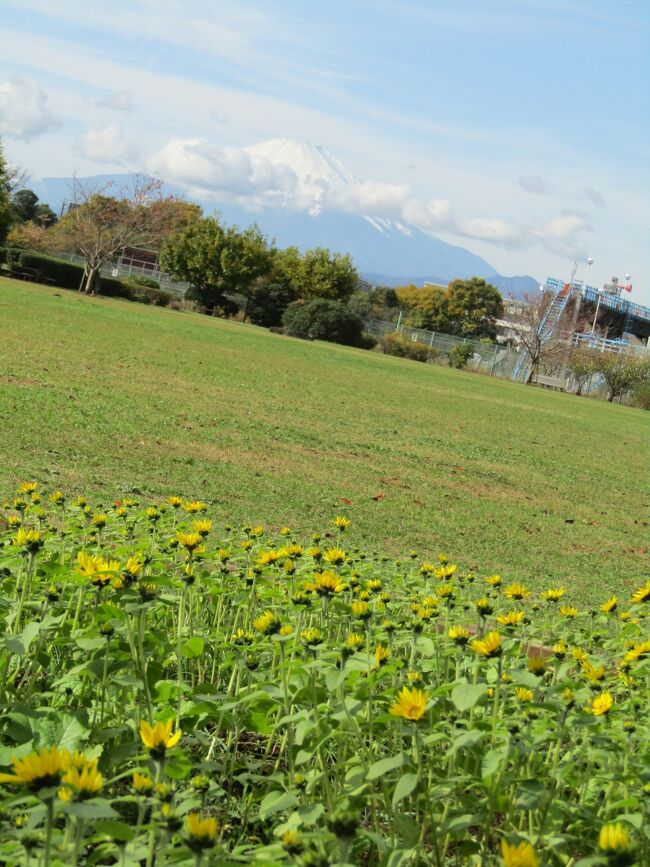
(101, 395)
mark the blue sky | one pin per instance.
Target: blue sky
(527, 118)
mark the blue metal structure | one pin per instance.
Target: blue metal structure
(636, 317)
(615, 302)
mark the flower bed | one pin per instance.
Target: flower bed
(179, 691)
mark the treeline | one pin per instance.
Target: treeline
(314, 294)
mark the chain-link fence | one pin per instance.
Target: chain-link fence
(493, 359)
(120, 269)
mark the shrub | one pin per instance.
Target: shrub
(149, 282)
(12, 256)
(113, 288)
(159, 297)
(460, 355)
(323, 319)
(268, 301)
(622, 372)
(147, 294)
(641, 395)
(583, 363)
(397, 344)
(368, 340)
(65, 274)
(3, 255)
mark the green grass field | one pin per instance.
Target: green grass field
(106, 397)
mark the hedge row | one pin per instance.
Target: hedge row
(68, 275)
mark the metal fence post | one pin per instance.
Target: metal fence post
(494, 359)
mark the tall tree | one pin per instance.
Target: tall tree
(424, 306)
(472, 307)
(318, 273)
(216, 260)
(23, 205)
(98, 226)
(5, 199)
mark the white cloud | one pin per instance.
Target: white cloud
(107, 145)
(24, 113)
(233, 174)
(371, 198)
(534, 184)
(491, 229)
(229, 172)
(560, 235)
(118, 100)
(433, 215)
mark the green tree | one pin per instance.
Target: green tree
(583, 363)
(23, 206)
(383, 303)
(425, 307)
(217, 260)
(472, 307)
(318, 273)
(324, 319)
(360, 303)
(269, 298)
(622, 372)
(5, 201)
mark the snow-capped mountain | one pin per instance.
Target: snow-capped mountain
(321, 204)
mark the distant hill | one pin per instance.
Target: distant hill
(516, 287)
(384, 251)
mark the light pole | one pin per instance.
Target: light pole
(590, 262)
(600, 295)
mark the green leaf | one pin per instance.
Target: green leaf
(116, 830)
(466, 695)
(20, 644)
(492, 762)
(398, 857)
(310, 813)
(275, 802)
(634, 819)
(385, 766)
(461, 823)
(64, 731)
(90, 643)
(98, 808)
(405, 785)
(193, 647)
(408, 830)
(424, 646)
(28, 634)
(526, 678)
(178, 766)
(467, 739)
(334, 678)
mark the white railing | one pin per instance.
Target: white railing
(602, 344)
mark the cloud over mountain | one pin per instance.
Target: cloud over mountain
(24, 110)
(107, 145)
(298, 176)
